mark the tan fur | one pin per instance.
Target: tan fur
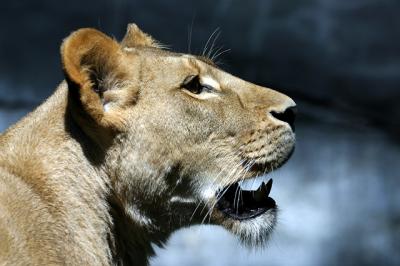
(121, 155)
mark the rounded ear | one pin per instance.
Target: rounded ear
(90, 59)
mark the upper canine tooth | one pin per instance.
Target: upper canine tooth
(252, 183)
(268, 187)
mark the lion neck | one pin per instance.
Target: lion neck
(132, 242)
(111, 232)
(135, 225)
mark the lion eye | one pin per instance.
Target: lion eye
(192, 83)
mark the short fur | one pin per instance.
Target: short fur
(122, 155)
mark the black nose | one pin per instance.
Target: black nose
(287, 116)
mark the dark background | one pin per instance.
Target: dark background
(339, 60)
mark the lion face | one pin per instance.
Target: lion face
(185, 142)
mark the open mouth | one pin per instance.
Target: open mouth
(246, 199)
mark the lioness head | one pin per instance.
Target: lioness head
(184, 142)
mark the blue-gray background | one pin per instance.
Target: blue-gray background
(340, 60)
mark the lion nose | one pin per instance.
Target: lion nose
(288, 116)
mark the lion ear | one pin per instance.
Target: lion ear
(90, 59)
(136, 37)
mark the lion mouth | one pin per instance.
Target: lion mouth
(246, 199)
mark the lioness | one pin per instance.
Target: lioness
(136, 143)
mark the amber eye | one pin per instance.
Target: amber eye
(192, 84)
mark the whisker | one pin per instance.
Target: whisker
(221, 53)
(190, 31)
(243, 171)
(213, 43)
(236, 200)
(209, 39)
(212, 184)
(231, 174)
(216, 52)
(220, 196)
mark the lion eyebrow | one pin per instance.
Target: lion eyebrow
(206, 60)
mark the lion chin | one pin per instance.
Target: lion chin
(136, 143)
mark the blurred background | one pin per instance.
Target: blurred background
(339, 60)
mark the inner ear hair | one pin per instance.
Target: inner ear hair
(102, 79)
(92, 65)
